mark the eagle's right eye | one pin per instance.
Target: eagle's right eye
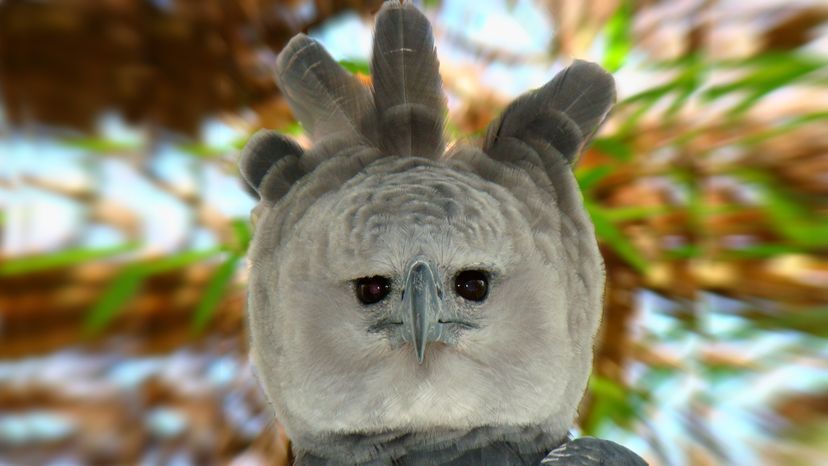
(370, 290)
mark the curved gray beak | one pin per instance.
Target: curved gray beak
(422, 306)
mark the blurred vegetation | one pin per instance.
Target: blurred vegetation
(707, 188)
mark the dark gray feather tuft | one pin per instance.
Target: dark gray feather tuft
(281, 177)
(324, 97)
(270, 159)
(408, 91)
(564, 113)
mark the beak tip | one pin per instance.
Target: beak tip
(421, 356)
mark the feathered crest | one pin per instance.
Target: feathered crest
(563, 114)
(326, 99)
(403, 113)
(408, 91)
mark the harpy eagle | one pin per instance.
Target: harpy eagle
(417, 303)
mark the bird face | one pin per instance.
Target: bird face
(421, 296)
(397, 288)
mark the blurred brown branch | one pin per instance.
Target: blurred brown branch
(169, 64)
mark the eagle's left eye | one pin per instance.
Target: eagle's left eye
(370, 290)
(472, 285)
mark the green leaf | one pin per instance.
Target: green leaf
(589, 177)
(242, 234)
(356, 66)
(690, 73)
(683, 96)
(128, 282)
(625, 214)
(215, 290)
(619, 37)
(655, 376)
(811, 321)
(786, 126)
(121, 290)
(759, 251)
(65, 258)
(788, 215)
(686, 251)
(100, 145)
(614, 238)
(614, 146)
(176, 261)
(717, 373)
(651, 95)
(605, 387)
(764, 75)
(696, 205)
(293, 129)
(611, 402)
(239, 143)
(203, 150)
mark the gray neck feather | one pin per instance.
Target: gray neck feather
(507, 446)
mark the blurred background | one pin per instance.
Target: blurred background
(125, 226)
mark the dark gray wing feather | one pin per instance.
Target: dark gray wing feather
(590, 451)
(408, 91)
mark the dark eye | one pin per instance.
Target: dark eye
(472, 285)
(370, 290)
